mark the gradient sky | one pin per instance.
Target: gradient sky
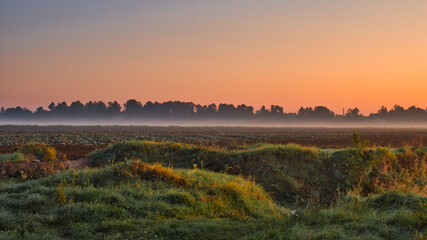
(337, 53)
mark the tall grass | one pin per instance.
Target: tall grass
(124, 197)
(134, 200)
(292, 173)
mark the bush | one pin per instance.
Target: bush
(40, 151)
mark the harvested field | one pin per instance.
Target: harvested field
(77, 141)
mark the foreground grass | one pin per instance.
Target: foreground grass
(134, 200)
(292, 173)
(126, 198)
(357, 193)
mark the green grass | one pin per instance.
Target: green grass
(385, 216)
(292, 173)
(12, 157)
(126, 197)
(141, 201)
(261, 191)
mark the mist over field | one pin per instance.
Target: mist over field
(214, 123)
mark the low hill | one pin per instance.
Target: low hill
(126, 197)
(292, 173)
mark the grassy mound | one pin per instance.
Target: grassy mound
(126, 198)
(390, 215)
(292, 173)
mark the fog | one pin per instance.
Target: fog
(219, 123)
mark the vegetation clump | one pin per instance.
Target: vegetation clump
(31, 161)
(390, 215)
(294, 174)
(126, 197)
(135, 200)
(12, 157)
(40, 151)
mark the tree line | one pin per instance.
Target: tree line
(134, 109)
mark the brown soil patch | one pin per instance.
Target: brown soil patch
(35, 169)
(27, 169)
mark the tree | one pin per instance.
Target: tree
(276, 110)
(41, 112)
(322, 113)
(263, 111)
(398, 108)
(244, 111)
(382, 111)
(61, 109)
(133, 107)
(77, 109)
(226, 110)
(18, 113)
(51, 107)
(114, 108)
(96, 109)
(305, 112)
(352, 113)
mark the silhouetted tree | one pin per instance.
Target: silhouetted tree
(18, 113)
(61, 110)
(206, 110)
(322, 113)
(305, 112)
(133, 108)
(244, 111)
(41, 112)
(77, 109)
(276, 110)
(51, 106)
(226, 110)
(382, 111)
(352, 113)
(114, 109)
(263, 112)
(151, 109)
(189, 110)
(96, 109)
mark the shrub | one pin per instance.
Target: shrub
(40, 151)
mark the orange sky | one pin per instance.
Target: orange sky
(333, 53)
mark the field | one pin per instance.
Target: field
(64, 182)
(78, 141)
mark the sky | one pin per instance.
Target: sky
(335, 53)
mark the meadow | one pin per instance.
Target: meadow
(260, 186)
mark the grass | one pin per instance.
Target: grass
(292, 173)
(261, 191)
(12, 157)
(40, 151)
(382, 216)
(134, 200)
(125, 198)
